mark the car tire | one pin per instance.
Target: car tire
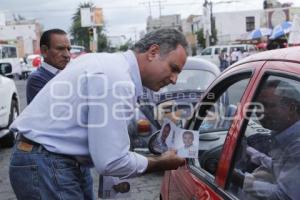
(9, 139)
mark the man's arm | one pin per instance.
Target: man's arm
(108, 112)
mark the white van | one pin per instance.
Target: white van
(9, 54)
(212, 53)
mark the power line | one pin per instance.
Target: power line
(104, 7)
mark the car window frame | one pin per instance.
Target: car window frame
(263, 77)
(200, 173)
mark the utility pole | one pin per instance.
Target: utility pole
(149, 6)
(210, 18)
(160, 7)
(207, 23)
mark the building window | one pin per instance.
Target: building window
(250, 23)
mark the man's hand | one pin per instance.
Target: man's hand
(237, 178)
(258, 157)
(167, 161)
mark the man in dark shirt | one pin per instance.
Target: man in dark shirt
(55, 48)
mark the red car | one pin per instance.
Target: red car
(250, 149)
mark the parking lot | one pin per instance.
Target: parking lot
(143, 188)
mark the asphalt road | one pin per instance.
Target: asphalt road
(142, 188)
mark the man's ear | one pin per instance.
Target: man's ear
(44, 50)
(153, 51)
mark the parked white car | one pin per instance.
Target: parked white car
(9, 54)
(9, 105)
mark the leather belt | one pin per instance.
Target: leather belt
(26, 140)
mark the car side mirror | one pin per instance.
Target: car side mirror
(5, 69)
(152, 144)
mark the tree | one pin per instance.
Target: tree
(201, 38)
(213, 38)
(81, 34)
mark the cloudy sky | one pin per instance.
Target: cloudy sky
(127, 17)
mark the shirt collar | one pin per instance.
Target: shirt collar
(50, 68)
(134, 72)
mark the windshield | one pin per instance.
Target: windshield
(191, 80)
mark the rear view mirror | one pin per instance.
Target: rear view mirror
(5, 69)
(152, 145)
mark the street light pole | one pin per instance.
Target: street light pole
(207, 23)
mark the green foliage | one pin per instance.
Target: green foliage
(213, 38)
(201, 38)
(81, 34)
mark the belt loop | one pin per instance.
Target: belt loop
(40, 149)
(18, 135)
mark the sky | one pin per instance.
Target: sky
(121, 17)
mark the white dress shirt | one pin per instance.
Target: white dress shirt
(50, 68)
(84, 111)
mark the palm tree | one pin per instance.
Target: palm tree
(81, 34)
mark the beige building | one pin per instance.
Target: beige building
(25, 34)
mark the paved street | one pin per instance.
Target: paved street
(142, 188)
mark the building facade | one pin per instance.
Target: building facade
(24, 34)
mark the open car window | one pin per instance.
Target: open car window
(267, 158)
(214, 117)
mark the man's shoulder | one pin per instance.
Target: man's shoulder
(39, 73)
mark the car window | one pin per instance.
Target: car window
(12, 52)
(4, 52)
(217, 51)
(206, 51)
(214, 119)
(267, 160)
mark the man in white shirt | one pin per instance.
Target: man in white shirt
(80, 119)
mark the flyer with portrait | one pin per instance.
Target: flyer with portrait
(187, 143)
(113, 187)
(166, 137)
(171, 137)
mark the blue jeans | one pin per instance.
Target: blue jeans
(36, 173)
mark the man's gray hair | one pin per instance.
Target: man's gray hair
(166, 38)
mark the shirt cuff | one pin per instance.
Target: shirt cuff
(142, 163)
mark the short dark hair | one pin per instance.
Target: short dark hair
(46, 36)
(167, 39)
(188, 133)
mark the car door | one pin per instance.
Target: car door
(214, 119)
(3, 103)
(267, 156)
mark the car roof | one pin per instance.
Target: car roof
(286, 54)
(231, 45)
(198, 63)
